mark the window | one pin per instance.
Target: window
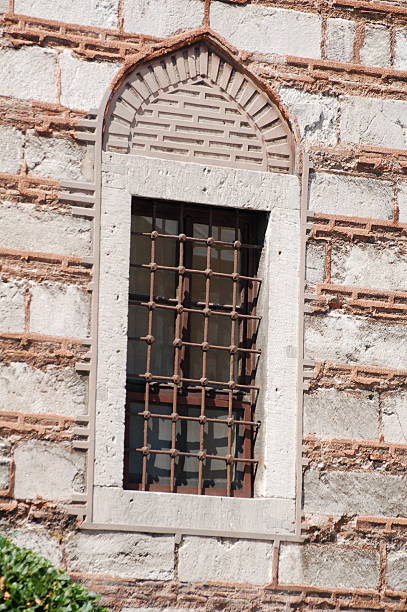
(192, 355)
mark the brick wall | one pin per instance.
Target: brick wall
(339, 68)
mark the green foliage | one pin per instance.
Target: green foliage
(29, 582)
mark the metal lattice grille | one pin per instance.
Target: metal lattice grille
(191, 348)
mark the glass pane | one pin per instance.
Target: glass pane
(221, 291)
(165, 285)
(162, 354)
(196, 324)
(159, 438)
(220, 329)
(188, 442)
(192, 362)
(140, 253)
(166, 252)
(197, 287)
(217, 365)
(137, 349)
(140, 281)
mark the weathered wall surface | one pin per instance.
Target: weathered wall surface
(340, 69)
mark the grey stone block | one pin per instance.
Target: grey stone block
(4, 464)
(340, 39)
(127, 555)
(329, 413)
(396, 570)
(394, 407)
(348, 339)
(11, 149)
(141, 16)
(12, 310)
(375, 50)
(26, 227)
(315, 263)
(316, 114)
(25, 63)
(202, 559)
(374, 266)
(328, 565)
(48, 470)
(268, 29)
(101, 13)
(339, 194)
(84, 83)
(340, 492)
(36, 540)
(400, 52)
(374, 121)
(59, 310)
(55, 390)
(56, 158)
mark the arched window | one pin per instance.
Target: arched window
(199, 294)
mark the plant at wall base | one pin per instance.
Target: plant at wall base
(29, 582)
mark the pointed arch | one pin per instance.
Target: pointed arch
(196, 104)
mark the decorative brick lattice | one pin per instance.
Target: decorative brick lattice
(194, 105)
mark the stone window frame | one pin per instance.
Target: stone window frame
(275, 511)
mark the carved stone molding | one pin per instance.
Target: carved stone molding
(194, 105)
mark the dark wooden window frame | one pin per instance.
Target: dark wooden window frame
(179, 392)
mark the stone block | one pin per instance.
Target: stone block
(4, 463)
(55, 158)
(48, 470)
(316, 114)
(315, 263)
(375, 266)
(396, 570)
(25, 63)
(375, 50)
(339, 194)
(173, 16)
(374, 121)
(188, 182)
(54, 390)
(37, 540)
(329, 413)
(340, 39)
(402, 202)
(394, 408)
(125, 555)
(162, 609)
(27, 227)
(400, 50)
(102, 13)
(328, 565)
(347, 339)
(268, 29)
(225, 560)
(11, 149)
(12, 310)
(84, 83)
(59, 310)
(341, 492)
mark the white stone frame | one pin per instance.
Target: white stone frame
(274, 511)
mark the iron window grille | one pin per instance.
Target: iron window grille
(192, 356)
